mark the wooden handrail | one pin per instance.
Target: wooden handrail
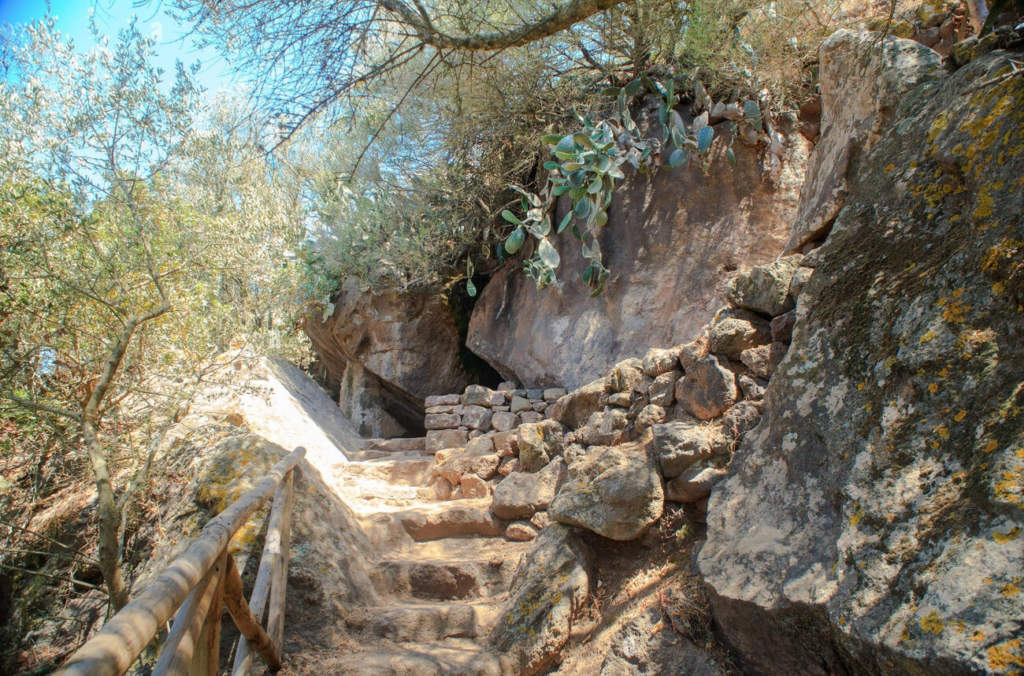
(121, 640)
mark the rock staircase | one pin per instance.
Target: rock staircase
(442, 575)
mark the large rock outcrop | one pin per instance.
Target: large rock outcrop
(385, 352)
(873, 521)
(672, 243)
(859, 96)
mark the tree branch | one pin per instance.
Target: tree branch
(559, 19)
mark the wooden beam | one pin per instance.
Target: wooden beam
(113, 650)
(264, 578)
(247, 624)
(180, 646)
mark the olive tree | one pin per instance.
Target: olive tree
(125, 229)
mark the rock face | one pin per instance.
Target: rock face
(551, 584)
(859, 98)
(873, 521)
(615, 492)
(385, 352)
(670, 261)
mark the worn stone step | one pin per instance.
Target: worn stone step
(452, 657)
(452, 568)
(426, 621)
(403, 469)
(392, 523)
(397, 445)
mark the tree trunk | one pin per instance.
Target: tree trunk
(109, 517)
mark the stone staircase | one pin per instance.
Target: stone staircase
(442, 575)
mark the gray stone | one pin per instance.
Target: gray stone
(625, 376)
(538, 406)
(694, 484)
(800, 279)
(531, 417)
(650, 415)
(615, 492)
(539, 443)
(438, 439)
(521, 531)
(453, 466)
(604, 429)
(520, 494)
(658, 361)
(444, 409)
(692, 352)
(554, 393)
(480, 446)
(752, 388)
(739, 420)
(549, 590)
(473, 486)
(707, 389)
(535, 394)
(765, 288)
(575, 408)
(735, 331)
(503, 421)
(620, 399)
(476, 417)
(680, 445)
(662, 391)
(519, 404)
(782, 327)
(507, 466)
(764, 359)
(507, 386)
(442, 400)
(441, 421)
(478, 395)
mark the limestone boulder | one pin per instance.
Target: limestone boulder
(671, 255)
(440, 439)
(539, 443)
(765, 288)
(394, 349)
(694, 484)
(872, 522)
(662, 391)
(604, 428)
(707, 389)
(764, 359)
(549, 590)
(863, 81)
(576, 407)
(615, 492)
(521, 494)
(679, 445)
(734, 331)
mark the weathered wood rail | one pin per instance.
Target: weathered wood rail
(197, 584)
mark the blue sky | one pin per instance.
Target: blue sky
(113, 15)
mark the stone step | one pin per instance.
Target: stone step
(425, 621)
(452, 657)
(401, 469)
(391, 525)
(398, 445)
(452, 568)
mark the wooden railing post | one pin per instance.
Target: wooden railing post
(248, 625)
(184, 643)
(275, 615)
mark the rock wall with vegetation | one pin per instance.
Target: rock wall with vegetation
(672, 242)
(879, 500)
